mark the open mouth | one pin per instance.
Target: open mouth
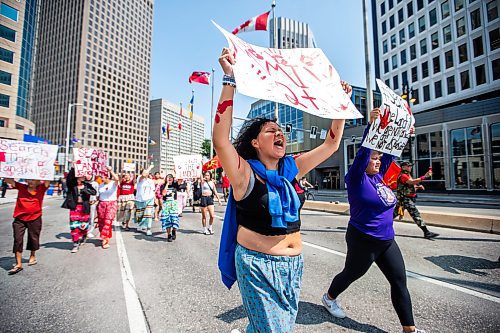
(279, 143)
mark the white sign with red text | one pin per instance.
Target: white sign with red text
(302, 78)
(19, 159)
(187, 166)
(89, 161)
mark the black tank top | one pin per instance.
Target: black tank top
(253, 213)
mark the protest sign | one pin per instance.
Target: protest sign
(89, 161)
(19, 159)
(187, 166)
(302, 78)
(129, 167)
(390, 132)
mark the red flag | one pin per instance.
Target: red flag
(214, 163)
(391, 176)
(168, 131)
(180, 119)
(258, 22)
(200, 77)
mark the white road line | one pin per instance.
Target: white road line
(135, 314)
(421, 277)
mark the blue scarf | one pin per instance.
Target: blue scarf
(283, 207)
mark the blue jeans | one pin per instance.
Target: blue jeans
(270, 289)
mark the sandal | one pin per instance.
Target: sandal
(15, 270)
(105, 246)
(31, 263)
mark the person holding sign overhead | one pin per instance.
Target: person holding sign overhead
(260, 242)
(107, 207)
(370, 234)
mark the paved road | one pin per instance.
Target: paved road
(454, 281)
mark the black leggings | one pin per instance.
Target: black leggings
(362, 251)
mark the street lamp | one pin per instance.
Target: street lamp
(68, 129)
(408, 96)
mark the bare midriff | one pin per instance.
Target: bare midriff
(283, 245)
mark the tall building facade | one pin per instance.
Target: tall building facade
(93, 62)
(291, 34)
(18, 22)
(445, 55)
(187, 140)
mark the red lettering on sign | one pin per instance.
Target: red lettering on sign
(311, 99)
(332, 135)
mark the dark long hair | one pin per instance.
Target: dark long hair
(249, 131)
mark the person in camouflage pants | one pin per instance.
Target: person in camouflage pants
(406, 195)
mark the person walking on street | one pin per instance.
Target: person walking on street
(5, 186)
(196, 193)
(169, 214)
(225, 186)
(260, 241)
(107, 207)
(158, 183)
(407, 194)
(27, 215)
(208, 192)
(145, 201)
(181, 189)
(77, 201)
(126, 199)
(93, 201)
(370, 233)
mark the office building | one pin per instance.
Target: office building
(446, 56)
(18, 20)
(187, 140)
(291, 34)
(93, 62)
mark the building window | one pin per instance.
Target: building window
(430, 154)
(415, 95)
(420, 4)
(434, 40)
(448, 58)
(423, 47)
(478, 46)
(384, 27)
(386, 65)
(395, 82)
(450, 82)
(401, 16)
(7, 33)
(494, 39)
(393, 42)
(447, 34)
(462, 53)
(6, 55)
(459, 4)
(404, 77)
(401, 36)
(4, 100)
(9, 12)
(3, 122)
(394, 61)
(413, 52)
(475, 19)
(403, 57)
(409, 8)
(436, 65)
(421, 24)
(438, 92)
(432, 17)
(460, 27)
(427, 94)
(391, 22)
(425, 69)
(5, 78)
(467, 157)
(382, 8)
(492, 10)
(445, 9)
(495, 151)
(464, 80)
(414, 74)
(495, 64)
(384, 46)
(480, 75)
(411, 30)
(391, 4)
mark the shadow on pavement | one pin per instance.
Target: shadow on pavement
(471, 284)
(7, 262)
(456, 264)
(58, 245)
(441, 238)
(65, 235)
(232, 315)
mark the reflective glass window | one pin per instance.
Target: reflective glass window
(436, 65)
(425, 69)
(494, 39)
(9, 12)
(460, 27)
(423, 47)
(477, 45)
(6, 55)
(448, 58)
(475, 19)
(447, 34)
(445, 9)
(435, 40)
(450, 82)
(495, 150)
(462, 53)
(492, 10)
(459, 4)
(7, 33)
(421, 24)
(4, 100)
(432, 17)
(464, 80)
(438, 92)
(413, 52)
(409, 8)
(5, 78)
(411, 30)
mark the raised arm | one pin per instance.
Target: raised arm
(145, 172)
(114, 176)
(308, 161)
(237, 169)
(10, 181)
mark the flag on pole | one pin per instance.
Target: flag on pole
(191, 106)
(163, 130)
(258, 22)
(200, 77)
(391, 175)
(180, 119)
(168, 131)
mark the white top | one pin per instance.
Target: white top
(145, 189)
(108, 192)
(95, 185)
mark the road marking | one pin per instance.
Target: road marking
(421, 277)
(135, 312)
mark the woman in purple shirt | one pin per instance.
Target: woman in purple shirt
(370, 234)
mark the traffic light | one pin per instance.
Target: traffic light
(288, 128)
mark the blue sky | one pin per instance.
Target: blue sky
(185, 40)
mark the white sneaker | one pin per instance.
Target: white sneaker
(75, 248)
(333, 307)
(90, 235)
(210, 230)
(206, 232)
(148, 233)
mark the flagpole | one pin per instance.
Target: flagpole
(191, 116)
(275, 44)
(212, 117)
(179, 127)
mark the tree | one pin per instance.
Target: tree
(205, 148)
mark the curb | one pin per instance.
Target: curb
(480, 223)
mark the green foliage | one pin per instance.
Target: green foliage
(205, 148)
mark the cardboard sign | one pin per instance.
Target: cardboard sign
(129, 167)
(89, 161)
(390, 132)
(302, 78)
(187, 166)
(19, 159)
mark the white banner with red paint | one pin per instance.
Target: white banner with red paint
(187, 166)
(302, 78)
(19, 159)
(391, 131)
(90, 162)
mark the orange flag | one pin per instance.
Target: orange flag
(391, 176)
(214, 163)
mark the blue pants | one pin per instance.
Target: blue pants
(270, 289)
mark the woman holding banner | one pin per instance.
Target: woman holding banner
(107, 207)
(370, 234)
(260, 243)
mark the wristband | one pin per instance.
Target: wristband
(228, 80)
(423, 178)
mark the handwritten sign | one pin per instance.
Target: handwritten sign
(390, 132)
(19, 159)
(302, 78)
(130, 167)
(187, 166)
(89, 161)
